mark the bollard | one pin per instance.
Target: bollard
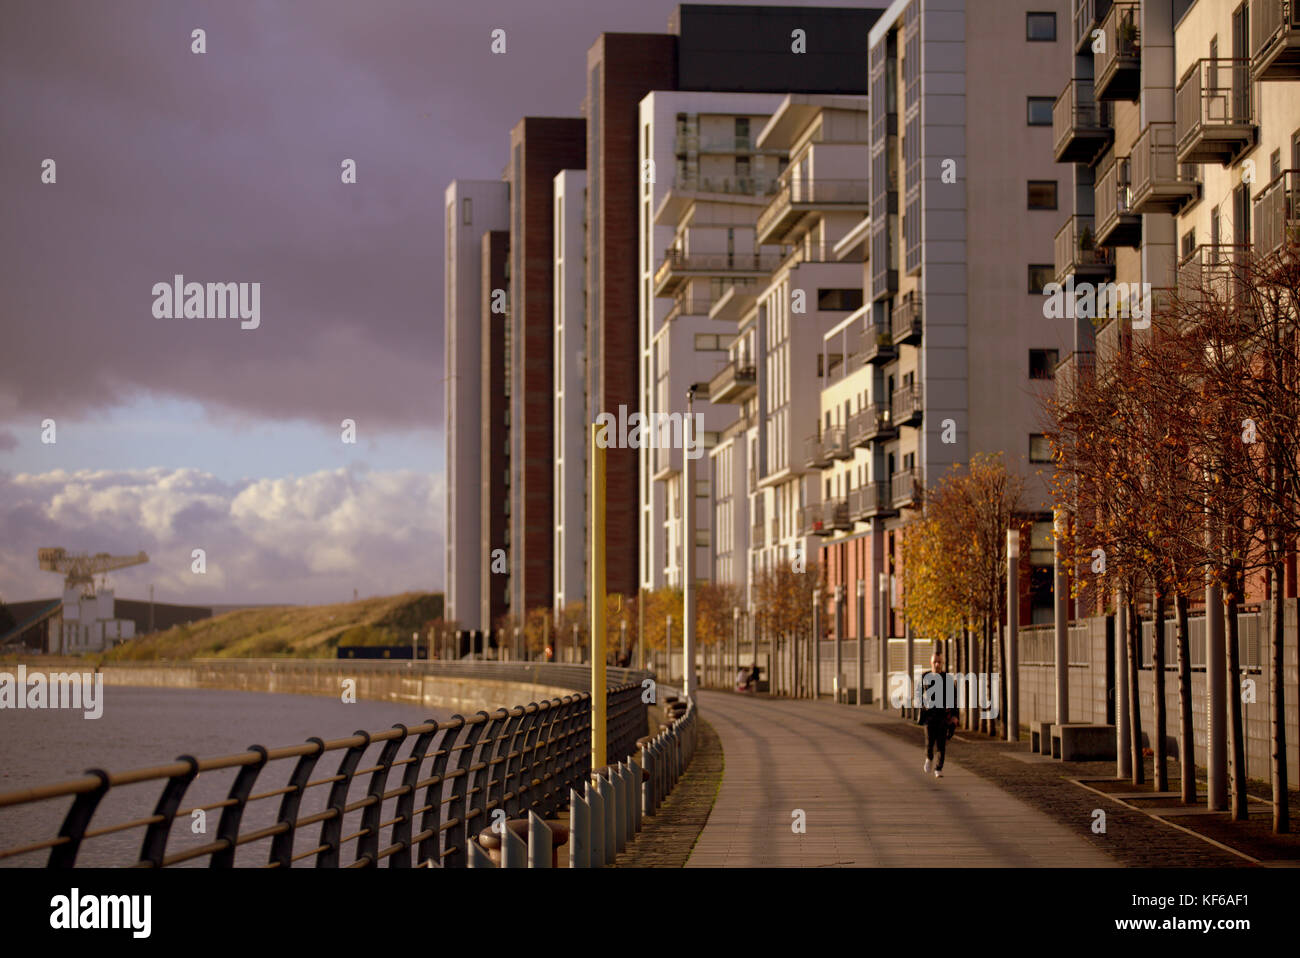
(596, 849)
(638, 793)
(629, 822)
(647, 787)
(540, 843)
(514, 851)
(579, 831)
(609, 842)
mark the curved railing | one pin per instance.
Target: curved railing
(454, 775)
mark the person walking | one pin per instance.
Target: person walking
(936, 712)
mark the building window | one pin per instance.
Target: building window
(1042, 194)
(1040, 110)
(1040, 27)
(467, 211)
(1188, 245)
(1041, 543)
(1040, 276)
(712, 341)
(1040, 450)
(839, 299)
(1042, 363)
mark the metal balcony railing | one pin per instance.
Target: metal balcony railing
(734, 382)
(1117, 64)
(1158, 184)
(1077, 253)
(1081, 128)
(1210, 272)
(1087, 15)
(835, 515)
(905, 407)
(1117, 224)
(905, 488)
(677, 265)
(1274, 39)
(905, 319)
(728, 185)
(810, 521)
(877, 345)
(796, 195)
(835, 444)
(1276, 217)
(815, 455)
(870, 500)
(1213, 111)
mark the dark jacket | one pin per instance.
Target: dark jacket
(936, 697)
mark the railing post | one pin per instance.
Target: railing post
(540, 843)
(240, 789)
(579, 831)
(368, 843)
(331, 829)
(596, 802)
(405, 807)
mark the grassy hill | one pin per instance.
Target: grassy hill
(313, 631)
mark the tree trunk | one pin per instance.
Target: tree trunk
(1277, 719)
(1135, 697)
(1238, 744)
(1161, 777)
(1186, 740)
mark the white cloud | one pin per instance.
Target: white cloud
(311, 538)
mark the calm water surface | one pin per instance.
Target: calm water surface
(142, 727)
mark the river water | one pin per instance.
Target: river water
(142, 727)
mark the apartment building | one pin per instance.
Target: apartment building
(706, 183)
(494, 436)
(473, 208)
(1180, 128)
(540, 149)
(571, 420)
(949, 354)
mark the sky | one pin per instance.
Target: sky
(176, 434)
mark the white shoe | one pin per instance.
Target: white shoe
(938, 773)
(926, 767)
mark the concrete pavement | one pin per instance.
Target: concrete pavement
(865, 799)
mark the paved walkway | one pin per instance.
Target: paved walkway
(864, 796)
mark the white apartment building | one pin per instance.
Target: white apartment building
(571, 416)
(473, 207)
(705, 181)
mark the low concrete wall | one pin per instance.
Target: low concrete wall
(462, 687)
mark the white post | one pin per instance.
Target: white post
(1012, 722)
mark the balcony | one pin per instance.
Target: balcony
(1118, 64)
(1087, 17)
(905, 319)
(756, 540)
(811, 522)
(689, 306)
(1117, 224)
(1157, 183)
(905, 407)
(815, 454)
(727, 185)
(1276, 217)
(1081, 129)
(877, 345)
(733, 383)
(1078, 255)
(835, 516)
(871, 423)
(835, 443)
(1212, 273)
(870, 501)
(796, 196)
(1212, 112)
(906, 489)
(679, 266)
(1274, 39)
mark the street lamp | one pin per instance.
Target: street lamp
(689, 441)
(1013, 636)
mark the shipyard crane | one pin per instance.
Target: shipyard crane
(80, 568)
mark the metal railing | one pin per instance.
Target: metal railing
(1274, 39)
(905, 487)
(906, 406)
(870, 422)
(1213, 110)
(815, 455)
(835, 514)
(835, 444)
(729, 185)
(1114, 210)
(454, 775)
(1212, 272)
(905, 318)
(877, 344)
(1159, 183)
(810, 192)
(732, 380)
(1087, 13)
(1116, 62)
(1080, 125)
(1077, 250)
(1276, 220)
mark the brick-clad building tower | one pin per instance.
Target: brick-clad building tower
(621, 69)
(493, 434)
(540, 147)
